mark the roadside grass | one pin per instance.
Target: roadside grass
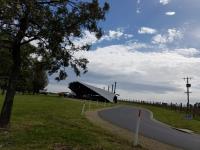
(170, 117)
(50, 122)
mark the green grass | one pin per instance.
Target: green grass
(173, 118)
(50, 122)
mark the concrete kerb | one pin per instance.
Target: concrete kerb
(184, 130)
(148, 143)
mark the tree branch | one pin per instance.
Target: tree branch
(50, 2)
(71, 3)
(27, 41)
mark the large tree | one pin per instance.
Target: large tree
(51, 25)
(33, 75)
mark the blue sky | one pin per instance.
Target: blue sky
(148, 47)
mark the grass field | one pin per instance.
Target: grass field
(49, 122)
(173, 118)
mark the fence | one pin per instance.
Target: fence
(192, 109)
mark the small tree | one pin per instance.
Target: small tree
(52, 24)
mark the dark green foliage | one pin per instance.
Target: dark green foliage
(52, 24)
(39, 77)
(32, 79)
(33, 76)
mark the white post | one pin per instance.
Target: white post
(97, 102)
(89, 105)
(83, 109)
(137, 129)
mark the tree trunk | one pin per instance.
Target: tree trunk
(16, 57)
(11, 89)
(4, 88)
(3, 91)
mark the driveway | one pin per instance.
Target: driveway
(126, 117)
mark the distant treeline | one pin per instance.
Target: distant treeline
(192, 109)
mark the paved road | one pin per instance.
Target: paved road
(126, 117)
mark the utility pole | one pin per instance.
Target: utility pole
(112, 88)
(188, 85)
(115, 87)
(108, 88)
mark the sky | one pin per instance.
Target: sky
(148, 47)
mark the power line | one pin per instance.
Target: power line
(188, 85)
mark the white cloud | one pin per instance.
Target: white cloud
(88, 38)
(174, 34)
(136, 45)
(146, 30)
(115, 34)
(169, 37)
(127, 36)
(187, 52)
(164, 2)
(34, 43)
(159, 39)
(135, 70)
(170, 13)
(36, 56)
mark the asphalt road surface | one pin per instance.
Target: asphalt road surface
(126, 117)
